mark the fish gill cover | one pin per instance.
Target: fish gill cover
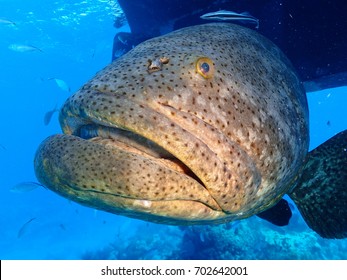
(76, 42)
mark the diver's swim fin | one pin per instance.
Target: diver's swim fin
(278, 215)
(321, 192)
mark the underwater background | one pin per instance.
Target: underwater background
(48, 49)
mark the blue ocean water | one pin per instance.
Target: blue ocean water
(72, 40)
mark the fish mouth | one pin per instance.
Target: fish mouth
(102, 161)
(126, 140)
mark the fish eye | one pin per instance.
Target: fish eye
(204, 66)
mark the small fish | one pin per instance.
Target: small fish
(123, 37)
(61, 84)
(95, 213)
(119, 53)
(7, 22)
(25, 187)
(62, 227)
(48, 116)
(23, 48)
(224, 15)
(232, 225)
(24, 228)
(202, 237)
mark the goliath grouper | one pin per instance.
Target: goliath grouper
(207, 124)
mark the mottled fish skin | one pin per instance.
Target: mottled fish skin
(208, 142)
(321, 193)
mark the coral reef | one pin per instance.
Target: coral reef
(247, 239)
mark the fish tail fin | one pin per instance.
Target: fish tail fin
(321, 192)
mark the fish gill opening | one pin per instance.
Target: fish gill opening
(134, 143)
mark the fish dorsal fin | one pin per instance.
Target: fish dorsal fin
(321, 192)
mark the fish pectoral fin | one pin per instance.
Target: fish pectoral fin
(278, 215)
(321, 192)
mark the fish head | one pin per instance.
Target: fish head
(205, 124)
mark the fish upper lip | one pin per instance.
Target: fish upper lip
(133, 141)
